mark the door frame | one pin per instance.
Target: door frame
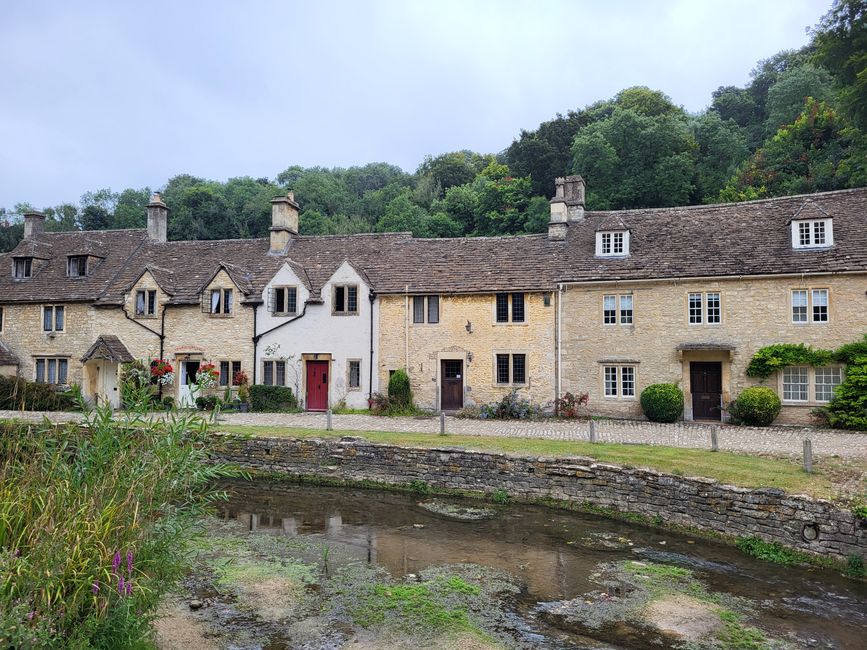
(441, 377)
(317, 358)
(692, 392)
(186, 398)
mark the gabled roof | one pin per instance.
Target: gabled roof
(110, 348)
(7, 358)
(610, 222)
(809, 210)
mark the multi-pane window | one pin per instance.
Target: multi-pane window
(354, 372)
(221, 301)
(426, 307)
(228, 370)
(516, 302)
(146, 302)
(611, 312)
(53, 317)
(511, 368)
(51, 371)
(274, 373)
(611, 243)
(284, 300)
(810, 305)
(76, 266)
(704, 308)
(346, 299)
(618, 381)
(23, 267)
(812, 233)
(826, 380)
(796, 384)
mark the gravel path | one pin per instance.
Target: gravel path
(771, 440)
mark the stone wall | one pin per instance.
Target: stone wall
(701, 503)
(755, 312)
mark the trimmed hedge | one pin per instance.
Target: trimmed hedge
(272, 399)
(399, 391)
(757, 406)
(662, 402)
(18, 394)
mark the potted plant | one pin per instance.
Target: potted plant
(242, 381)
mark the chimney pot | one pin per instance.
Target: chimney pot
(158, 217)
(34, 224)
(284, 222)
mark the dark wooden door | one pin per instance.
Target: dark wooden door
(705, 382)
(451, 385)
(317, 386)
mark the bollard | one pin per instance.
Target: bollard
(328, 426)
(808, 455)
(592, 430)
(442, 424)
(714, 438)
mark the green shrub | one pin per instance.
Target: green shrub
(848, 408)
(511, 407)
(168, 402)
(207, 402)
(399, 391)
(662, 402)
(18, 394)
(272, 399)
(500, 496)
(855, 566)
(770, 551)
(756, 406)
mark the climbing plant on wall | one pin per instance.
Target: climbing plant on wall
(771, 358)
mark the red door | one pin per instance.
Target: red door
(317, 385)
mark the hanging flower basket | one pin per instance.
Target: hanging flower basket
(162, 372)
(207, 376)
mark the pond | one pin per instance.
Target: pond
(294, 566)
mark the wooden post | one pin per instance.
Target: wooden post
(714, 438)
(442, 424)
(592, 430)
(808, 455)
(328, 426)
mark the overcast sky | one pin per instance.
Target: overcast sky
(127, 94)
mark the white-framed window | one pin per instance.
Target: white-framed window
(704, 308)
(618, 382)
(284, 301)
(274, 373)
(23, 268)
(353, 374)
(810, 305)
(221, 302)
(53, 318)
(425, 309)
(511, 368)
(806, 384)
(812, 233)
(228, 370)
(617, 309)
(146, 302)
(345, 299)
(613, 243)
(510, 308)
(76, 266)
(51, 370)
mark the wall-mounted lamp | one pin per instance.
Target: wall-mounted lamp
(469, 357)
(469, 327)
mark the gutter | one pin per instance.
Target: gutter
(761, 276)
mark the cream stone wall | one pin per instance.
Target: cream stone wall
(755, 313)
(421, 347)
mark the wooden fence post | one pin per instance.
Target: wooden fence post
(808, 455)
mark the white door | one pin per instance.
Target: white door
(186, 398)
(109, 393)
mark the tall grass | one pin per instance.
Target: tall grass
(93, 521)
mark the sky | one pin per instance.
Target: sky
(128, 94)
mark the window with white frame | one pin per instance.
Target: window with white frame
(618, 381)
(274, 373)
(825, 382)
(53, 318)
(510, 307)
(146, 302)
(284, 301)
(812, 233)
(704, 308)
(221, 302)
(76, 266)
(511, 369)
(353, 371)
(612, 243)
(617, 309)
(345, 299)
(51, 370)
(426, 309)
(23, 268)
(810, 305)
(796, 384)
(808, 384)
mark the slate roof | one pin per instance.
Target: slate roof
(110, 348)
(6, 357)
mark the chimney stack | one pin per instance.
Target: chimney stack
(158, 216)
(284, 222)
(566, 206)
(34, 224)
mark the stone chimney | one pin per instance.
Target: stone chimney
(284, 222)
(566, 206)
(34, 224)
(158, 217)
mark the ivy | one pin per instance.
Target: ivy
(775, 357)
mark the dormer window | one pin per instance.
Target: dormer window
(812, 233)
(219, 302)
(23, 267)
(613, 243)
(76, 266)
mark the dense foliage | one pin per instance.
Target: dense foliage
(772, 358)
(848, 407)
(272, 399)
(662, 402)
(798, 126)
(17, 394)
(399, 391)
(757, 406)
(95, 520)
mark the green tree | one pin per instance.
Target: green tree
(786, 97)
(722, 147)
(130, 210)
(313, 222)
(402, 215)
(546, 153)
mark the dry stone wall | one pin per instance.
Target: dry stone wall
(697, 502)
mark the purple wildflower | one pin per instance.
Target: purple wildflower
(115, 563)
(17, 552)
(120, 586)
(129, 587)
(95, 587)
(30, 615)
(129, 562)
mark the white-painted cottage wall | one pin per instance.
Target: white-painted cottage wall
(320, 331)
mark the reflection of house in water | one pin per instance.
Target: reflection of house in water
(548, 566)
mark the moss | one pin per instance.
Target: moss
(736, 636)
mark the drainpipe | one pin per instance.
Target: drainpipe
(406, 327)
(255, 340)
(559, 341)
(258, 337)
(371, 295)
(161, 334)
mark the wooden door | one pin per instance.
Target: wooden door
(317, 386)
(705, 381)
(451, 385)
